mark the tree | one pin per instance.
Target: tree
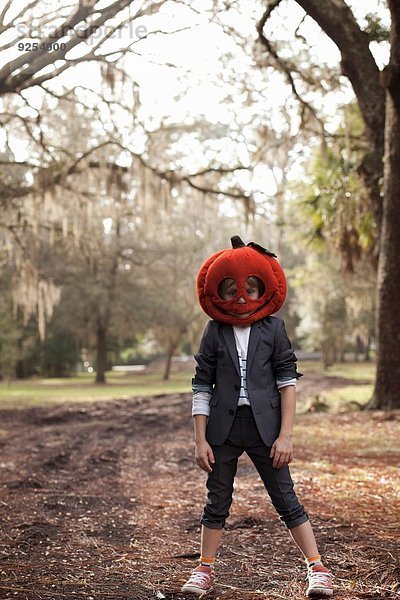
(46, 57)
(378, 94)
(336, 308)
(335, 200)
(386, 393)
(51, 119)
(10, 333)
(171, 302)
(59, 39)
(359, 66)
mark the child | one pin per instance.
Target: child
(244, 395)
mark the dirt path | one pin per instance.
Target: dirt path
(102, 501)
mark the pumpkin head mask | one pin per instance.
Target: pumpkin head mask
(227, 279)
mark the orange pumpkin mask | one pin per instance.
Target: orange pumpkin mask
(239, 263)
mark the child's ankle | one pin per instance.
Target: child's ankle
(206, 561)
(313, 560)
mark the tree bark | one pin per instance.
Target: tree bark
(168, 364)
(367, 357)
(101, 354)
(387, 393)
(103, 313)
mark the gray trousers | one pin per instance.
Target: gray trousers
(244, 437)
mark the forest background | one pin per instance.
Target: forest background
(137, 137)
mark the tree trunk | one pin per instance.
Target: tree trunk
(359, 347)
(367, 350)
(387, 393)
(101, 354)
(326, 352)
(168, 364)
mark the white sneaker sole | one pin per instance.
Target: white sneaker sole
(188, 589)
(319, 592)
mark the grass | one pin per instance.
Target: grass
(351, 370)
(81, 388)
(338, 397)
(36, 391)
(361, 376)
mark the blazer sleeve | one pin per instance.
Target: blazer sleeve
(283, 357)
(206, 360)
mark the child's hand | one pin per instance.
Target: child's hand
(281, 451)
(204, 456)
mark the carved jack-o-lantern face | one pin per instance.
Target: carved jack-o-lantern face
(241, 285)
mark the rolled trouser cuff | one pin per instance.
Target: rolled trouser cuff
(212, 524)
(296, 522)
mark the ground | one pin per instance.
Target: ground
(102, 500)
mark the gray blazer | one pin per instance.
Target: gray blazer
(269, 357)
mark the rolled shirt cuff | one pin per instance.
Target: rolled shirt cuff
(285, 381)
(201, 403)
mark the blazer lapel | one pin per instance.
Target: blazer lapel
(227, 332)
(253, 341)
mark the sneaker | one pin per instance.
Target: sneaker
(319, 582)
(200, 582)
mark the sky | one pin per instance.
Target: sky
(196, 52)
(194, 86)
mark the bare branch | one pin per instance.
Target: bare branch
(358, 64)
(25, 123)
(4, 12)
(239, 195)
(70, 96)
(22, 11)
(31, 63)
(12, 43)
(284, 68)
(23, 163)
(173, 177)
(219, 170)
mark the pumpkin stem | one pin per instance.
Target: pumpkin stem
(237, 242)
